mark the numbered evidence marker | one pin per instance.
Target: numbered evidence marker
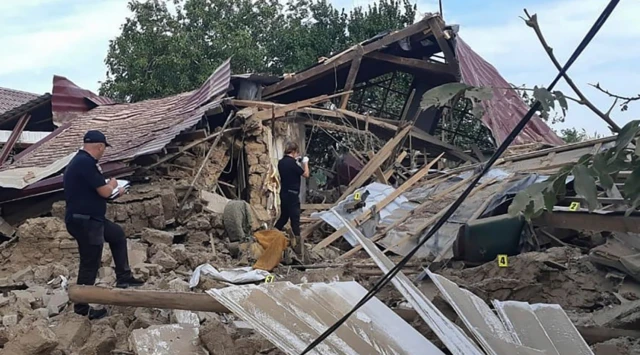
(269, 279)
(574, 206)
(357, 196)
(503, 261)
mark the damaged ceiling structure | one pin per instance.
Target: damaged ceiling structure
(205, 194)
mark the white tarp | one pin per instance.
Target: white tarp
(234, 276)
(377, 193)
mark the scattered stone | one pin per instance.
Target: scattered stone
(176, 339)
(154, 236)
(4, 336)
(179, 285)
(101, 341)
(23, 275)
(185, 317)
(147, 270)
(165, 260)
(4, 301)
(73, 331)
(243, 328)
(42, 274)
(57, 302)
(200, 223)
(10, 320)
(624, 316)
(216, 339)
(24, 296)
(38, 340)
(198, 237)
(42, 313)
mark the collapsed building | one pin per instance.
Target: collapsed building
(567, 284)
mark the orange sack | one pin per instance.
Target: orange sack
(274, 243)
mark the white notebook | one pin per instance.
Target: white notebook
(121, 183)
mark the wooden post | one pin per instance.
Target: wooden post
(13, 137)
(351, 78)
(187, 301)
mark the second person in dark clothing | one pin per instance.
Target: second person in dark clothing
(290, 175)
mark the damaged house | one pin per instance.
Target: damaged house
(488, 282)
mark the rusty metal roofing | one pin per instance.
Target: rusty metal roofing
(132, 129)
(69, 100)
(292, 316)
(506, 108)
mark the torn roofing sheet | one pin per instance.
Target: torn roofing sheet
(377, 193)
(521, 321)
(450, 334)
(510, 331)
(292, 316)
(132, 129)
(505, 109)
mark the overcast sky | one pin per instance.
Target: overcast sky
(41, 38)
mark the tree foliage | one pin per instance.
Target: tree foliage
(602, 168)
(166, 47)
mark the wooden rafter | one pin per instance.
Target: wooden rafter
(437, 25)
(13, 138)
(351, 77)
(346, 57)
(422, 65)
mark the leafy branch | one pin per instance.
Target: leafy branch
(601, 168)
(448, 94)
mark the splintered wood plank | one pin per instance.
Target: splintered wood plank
(379, 206)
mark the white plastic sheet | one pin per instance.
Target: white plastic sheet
(377, 193)
(234, 276)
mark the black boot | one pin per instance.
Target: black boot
(128, 281)
(91, 312)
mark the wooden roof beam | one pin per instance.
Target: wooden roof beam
(347, 56)
(417, 64)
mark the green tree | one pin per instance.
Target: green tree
(160, 52)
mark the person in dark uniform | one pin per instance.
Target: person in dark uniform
(290, 172)
(86, 192)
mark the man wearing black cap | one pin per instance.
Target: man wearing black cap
(86, 192)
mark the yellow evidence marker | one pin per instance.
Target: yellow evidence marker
(574, 206)
(269, 279)
(503, 260)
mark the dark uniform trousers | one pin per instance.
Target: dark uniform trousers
(289, 210)
(91, 234)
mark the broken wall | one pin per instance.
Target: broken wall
(146, 206)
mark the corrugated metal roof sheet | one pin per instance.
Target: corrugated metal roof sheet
(133, 129)
(503, 112)
(515, 332)
(292, 316)
(448, 332)
(11, 99)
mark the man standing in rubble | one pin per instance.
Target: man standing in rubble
(290, 173)
(86, 192)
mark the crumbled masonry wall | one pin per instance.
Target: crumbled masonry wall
(42, 241)
(143, 207)
(259, 163)
(217, 162)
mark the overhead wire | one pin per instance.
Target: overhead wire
(426, 234)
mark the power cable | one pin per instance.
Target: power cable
(426, 234)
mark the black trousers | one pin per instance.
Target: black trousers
(91, 234)
(289, 210)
